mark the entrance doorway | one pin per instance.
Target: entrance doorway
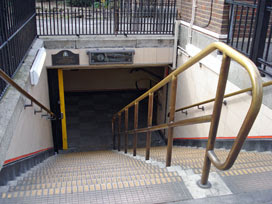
(89, 99)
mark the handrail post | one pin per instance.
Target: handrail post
(149, 124)
(136, 114)
(171, 119)
(126, 129)
(113, 132)
(119, 132)
(223, 77)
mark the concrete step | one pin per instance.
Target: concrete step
(105, 176)
(95, 182)
(56, 189)
(96, 178)
(193, 158)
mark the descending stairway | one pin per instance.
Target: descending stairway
(85, 109)
(112, 177)
(95, 177)
(252, 170)
(193, 158)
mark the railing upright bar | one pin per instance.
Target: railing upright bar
(135, 138)
(113, 133)
(119, 132)
(210, 156)
(223, 77)
(171, 120)
(126, 129)
(149, 124)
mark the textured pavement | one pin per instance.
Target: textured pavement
(95, 177)
(112, 177)
(252, 171)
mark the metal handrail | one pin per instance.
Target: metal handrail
(10, 81)
(269, 83)
(210, 156)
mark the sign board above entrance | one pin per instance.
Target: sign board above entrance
(65, 57)
(111, 56)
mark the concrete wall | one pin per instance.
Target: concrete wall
(237, 75)
(109, 79)
(22, 132)
(142, 56)
(148, 49)
(32, 133)
(198, 84)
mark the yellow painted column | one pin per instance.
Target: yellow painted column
(62, 110)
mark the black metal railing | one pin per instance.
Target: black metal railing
(17, 32)
(105, 17)
(250, 25)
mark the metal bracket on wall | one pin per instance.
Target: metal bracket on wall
(48, 117)
(202, 108)
(37, 111)
(28, 105)
(51, 118)
(185, 112)
(44, 115)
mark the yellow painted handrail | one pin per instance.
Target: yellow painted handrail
(233, 54)
(210, 156)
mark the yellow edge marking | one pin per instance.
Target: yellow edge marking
(240, 172)
(103, 186)
(97, 187)
(39, 192)
(109, 186)
(62, 109)
(91, 187)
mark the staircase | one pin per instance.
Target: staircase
(115, 177)
(95, 177)
(85, 133)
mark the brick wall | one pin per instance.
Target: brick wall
(210, 14)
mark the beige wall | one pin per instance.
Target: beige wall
(199, 83)
(142, 55)
(32, 132)
(107, 79)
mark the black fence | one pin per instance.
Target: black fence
(17, 32)
(105, 17)
(250, 31)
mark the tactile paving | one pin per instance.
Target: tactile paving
(96, 177)
(251, 170)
